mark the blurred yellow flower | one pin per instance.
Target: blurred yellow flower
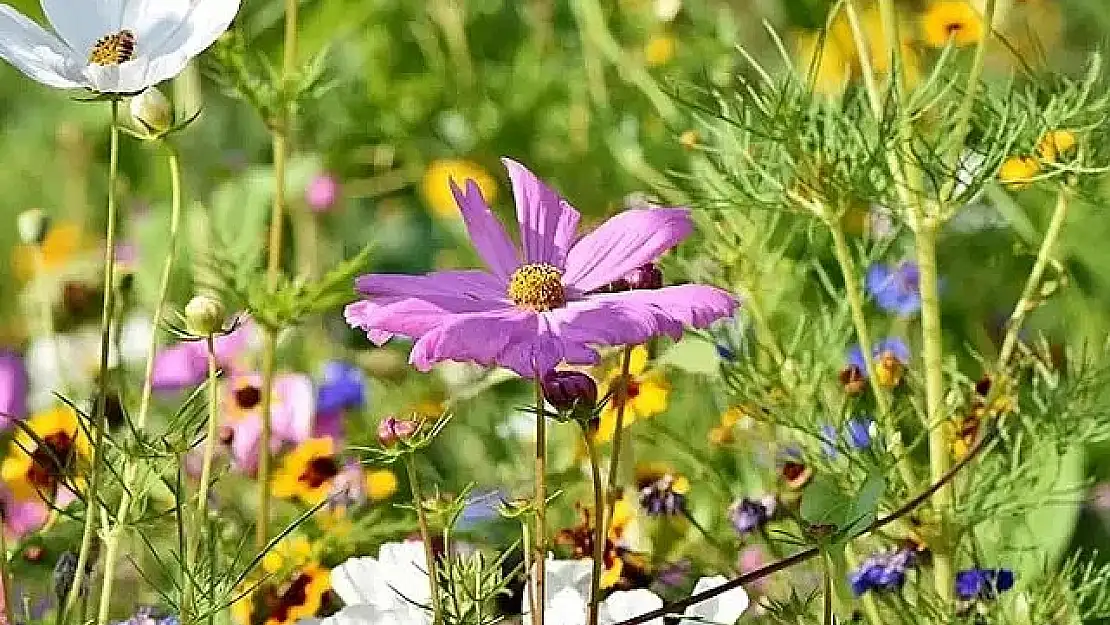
(660, 50)
(307, 472)
(646, 397)
(1055, 143)
(826, 63)
(436, 186)
(292, 552)
(1017, 172)
(381, 484)
(951, 19)
(62, 243)
(39, 466)
(300, 598)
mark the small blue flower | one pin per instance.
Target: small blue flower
(343, 388)
(858, 432)
(896, 288)
(481, 507)
(882, 571)
(748, 515)
(893, 346)
(977, 583)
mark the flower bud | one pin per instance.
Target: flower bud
(322, 193)
(889, 370)
(204, 315)
(570, 390)
(152, 111)
(647, 276)
(33, 226)
(852, 380)
(392, 430)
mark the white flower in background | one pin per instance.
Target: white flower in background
(112, 46)
(724, 608)
(391, 589)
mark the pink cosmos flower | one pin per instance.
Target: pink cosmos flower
(186, 364)
(322, 192)
(536, 307)
(21, 517)
(13, 388)
(294, 403)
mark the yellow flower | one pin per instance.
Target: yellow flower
(31, 470)
(301, 598)
(381, 484)
(826, 63)
(63, 242)
(951, 19)
(1055, 143)
(1017, 172)
(292, 552)
(660, 50)
(436, 186)
(646, 397)
(307, 472)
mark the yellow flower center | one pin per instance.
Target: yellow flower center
(538, 286)
(114, 49)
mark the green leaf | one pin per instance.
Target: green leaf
(825, 503)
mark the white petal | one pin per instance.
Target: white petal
(357, 581)
(205, 22)
(153, 21)
(81, 22)
(364, 615)
(724, 608)
(38, 54)
(408, 573)
(624, 605)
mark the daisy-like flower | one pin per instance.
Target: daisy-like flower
(644, 395)
(954, 20)
(112, 46)
(307, 472)
(50, 470)
(897, 288)
(285, 604)
(620, 563)
(539, 306)
(291, 414)
(392, 588)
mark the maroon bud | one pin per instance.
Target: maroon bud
(568, 390)
(391, 430)
(647, 276)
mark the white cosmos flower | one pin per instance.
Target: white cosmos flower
(391, 589)
(112, 46)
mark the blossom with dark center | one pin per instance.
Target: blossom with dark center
(977, 583)
(749, 515)
(539, 306)
(48, 463)
(307, 472)
(643, 393)
(662, 492)
(882, 571)
(292, 409)
(896, 288)
(889, 359)
(301, 597)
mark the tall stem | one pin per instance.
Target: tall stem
(541, 505)
(132, 465)
(599, 527)
(210, 443)
(269, 364)
(621, 398)
(92, 504)
(1029, 294)
(426, 537)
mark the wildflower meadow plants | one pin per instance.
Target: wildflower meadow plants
(793, 324)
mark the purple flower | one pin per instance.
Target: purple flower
(748, 515)
(291, 417)
(977, 583)
(186, 364)
(882, 571)
(538, 307)
(343, 388)
(895, 347)
(322, 192)
(148, 615)
(13, 388)
(896, 288)
(21, 517)
(666, 496)
(858, 432)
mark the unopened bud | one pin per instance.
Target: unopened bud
(889, 370)
(392, 430)
(852, 380)
(33, 226)
(647, 276)
(153, 111)
(570, 390)
(204, 315)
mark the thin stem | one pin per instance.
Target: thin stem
(99, 417)
(426, 536)
(1029, 295)
(827, 593)
(864, 54)
(269, 364)
(807, 554)
(210, 440)
(5, 579)
(621, 397)
(132, 464)
(599, 527)
(541, 504)
(963, 114)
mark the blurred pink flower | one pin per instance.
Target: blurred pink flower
(21, 517)
(13, 388)
(753, 558)
(294, 403)
(186, 364)
(322, 192)
(536, 307)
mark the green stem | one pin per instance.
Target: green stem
(621, 397)
(1029, 294)
(92, 505)
(541, 506)
(599, 528)
(827, 593)
(131, 468)
(262, 522)
(426, 537)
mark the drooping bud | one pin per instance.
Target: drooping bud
(204, 315)
(570, 390)
(392, 430)
(153, 111)
(33, 225)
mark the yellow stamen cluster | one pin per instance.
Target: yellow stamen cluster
(538, 287)
(114, 49)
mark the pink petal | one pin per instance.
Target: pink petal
(694, 305)
(294, 408)
(486, 232)
(466, 284)
(385, 316)
(547, 222)
(625, 242)
(511, 338)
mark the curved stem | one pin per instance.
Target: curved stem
(541, 505)
(599, 528)
(426, 537)
(131, 468)
(92, 505)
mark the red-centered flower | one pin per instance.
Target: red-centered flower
(536, 307)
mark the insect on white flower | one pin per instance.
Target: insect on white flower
(112, 46)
